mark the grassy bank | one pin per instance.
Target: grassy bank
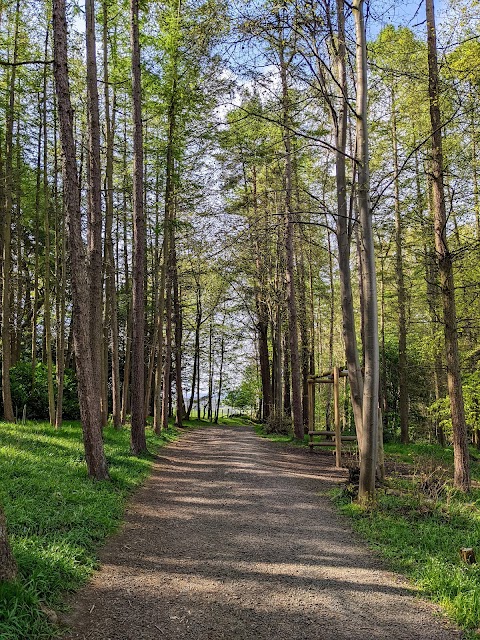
(57, 516)
(419, 524)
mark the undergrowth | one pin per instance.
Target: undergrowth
(286, 438)
(57, 516)
(419, 524)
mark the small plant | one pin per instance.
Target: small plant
(431, 478)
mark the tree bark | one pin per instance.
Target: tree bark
(177, 316)
(401, 294)
(369, 441)
(445, 267)
(138, 440)
(343, 231)
(94, 183)
(89, 392)
(61, 277)
(7, 237)
(196, 349)
(111, 290)
(220, 379)
(8, 566)
(46, 211)
(297, 412)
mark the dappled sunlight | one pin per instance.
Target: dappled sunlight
(231, 539)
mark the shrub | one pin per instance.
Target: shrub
(278, 422)
(32, 391)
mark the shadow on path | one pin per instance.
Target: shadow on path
(230, 539)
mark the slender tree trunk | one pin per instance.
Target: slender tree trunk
(177, 315)
(167, 368)
(94, 228)
(331, 329)
(7, 236)
(369, 441)
(37, 243)
(196, 351)
(165, 289)
(8, 566)
(138, 440)
(476, 193)
(46, 207)
(128, 328)
(210, 372)
(445, 267)
(88, 391)
(220, 379)
(111, 290)
(287, 389)
(401, 294)
(61, 248)
(297, 412)
(261, 309)
(343, 230)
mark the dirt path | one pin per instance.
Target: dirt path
(229, 539)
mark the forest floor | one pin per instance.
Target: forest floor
(233, 537)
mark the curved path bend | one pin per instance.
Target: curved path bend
(231, 539)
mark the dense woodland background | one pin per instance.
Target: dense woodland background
(186, 210)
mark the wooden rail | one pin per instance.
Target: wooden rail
(329, 377)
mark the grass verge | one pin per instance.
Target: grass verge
(419, 524)
(57, 516)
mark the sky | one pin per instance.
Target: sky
(407, 13)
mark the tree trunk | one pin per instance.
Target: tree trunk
(297, 413)
(7, 236)
(369, 441)
(165, 289)
(167, 367)
(37, 242)
(46, 210)
(210, 372)
(401, 294)
(261, 309)
(177, 316)
(89, 393)
(343, 231)
(138, 440)
(61, 278)
(196, 354)
(8, 566)
(111, 290)
(94, 227)
(220, 379)
(445, 268)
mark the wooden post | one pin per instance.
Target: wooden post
(336, 406)
(311, 406)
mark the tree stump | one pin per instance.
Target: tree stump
(468, 555)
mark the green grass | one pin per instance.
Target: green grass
(57, 516)
(419, 524)
(237, 421)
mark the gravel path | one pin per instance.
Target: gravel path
(230, 539)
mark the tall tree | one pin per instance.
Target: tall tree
(369, 439)
(138, 439)
(289, 244)
(7, 233)
(89, 391)
(445, 266)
